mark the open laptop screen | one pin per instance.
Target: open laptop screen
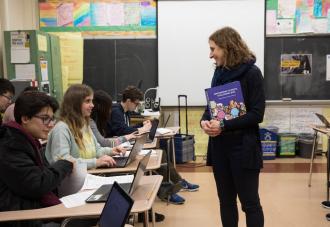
(152, 133)
(323, 120)
(117, 208)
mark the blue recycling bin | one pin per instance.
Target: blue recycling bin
(268, 143)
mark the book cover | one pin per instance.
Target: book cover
(225, 101)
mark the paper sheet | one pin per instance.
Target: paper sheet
(94, 182)
(163, 131)
(271, 21)
(44, 70)
(284, 26)
(42, 43)
(146, 151)
(25, 72)
(286, 8)
(77, 199)
(19, 47)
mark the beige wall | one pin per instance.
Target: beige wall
(16, 15)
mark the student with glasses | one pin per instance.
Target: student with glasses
(9, 113)
(7, 92)
(27, 181)
(119, 123)
(72, 136)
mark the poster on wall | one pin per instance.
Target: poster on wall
(308, 16)
(19, 47)
(296, 64)
(87, 15)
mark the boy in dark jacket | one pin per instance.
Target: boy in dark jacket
(27, 181)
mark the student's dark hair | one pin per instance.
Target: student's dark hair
(132, 93)
(6, 86)
(236, 51)
(30, 103)
(30, 88)
(102, 110)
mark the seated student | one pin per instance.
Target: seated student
(118, 124)
(100, 115)
(7, 92)
(72, 136)
(9, 113)
(27, 181)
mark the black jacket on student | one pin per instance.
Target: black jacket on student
(244, 129)
(118, 125)
(26, 179)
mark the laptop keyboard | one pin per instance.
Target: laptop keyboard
(120, 161)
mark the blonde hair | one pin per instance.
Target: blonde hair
(235, 49)
(70, 111)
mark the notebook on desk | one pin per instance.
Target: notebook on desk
(101, 194)
(323, 120)
(122, 162)
(117, 208)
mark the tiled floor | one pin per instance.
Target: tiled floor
(286, 199)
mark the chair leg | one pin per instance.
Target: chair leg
(312, 159)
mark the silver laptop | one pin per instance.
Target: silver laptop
(122, 162)
(101, 194)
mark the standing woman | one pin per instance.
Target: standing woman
(72, 136)
(101, 114)
(234, 148)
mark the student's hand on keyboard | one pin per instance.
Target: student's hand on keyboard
(105, 161)
(119, 150)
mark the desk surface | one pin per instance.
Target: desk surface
(154, 163)
(175, 130)
(144, 197)
(321, 129)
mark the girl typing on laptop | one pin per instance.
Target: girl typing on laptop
(72, 136)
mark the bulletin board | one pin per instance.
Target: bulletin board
(124, 16)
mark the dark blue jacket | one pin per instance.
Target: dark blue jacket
(118, 123)
(244, 127)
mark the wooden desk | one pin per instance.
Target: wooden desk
(326, 132)
(144, 197)
(154, 163)
(169, 137)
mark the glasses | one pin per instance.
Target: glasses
(136, 103)
(10, 99)
(46, 120)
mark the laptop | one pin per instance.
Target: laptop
(117, 208)
(153, 130)
(122, 162)
(168, 118)
(323, 119)
(101, 194)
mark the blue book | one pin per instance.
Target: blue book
(225, 101)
